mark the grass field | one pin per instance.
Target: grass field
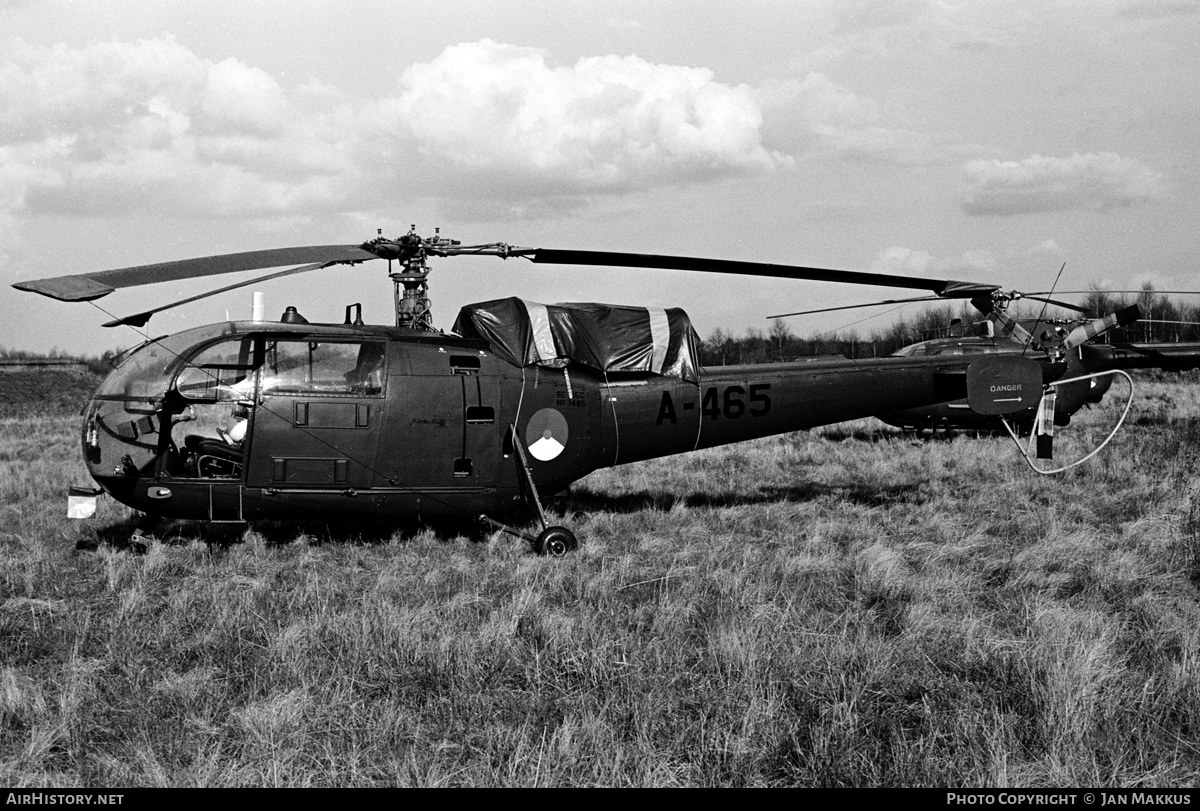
(847, 607)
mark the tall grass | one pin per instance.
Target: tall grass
(845, 607)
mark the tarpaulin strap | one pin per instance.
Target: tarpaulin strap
(543, 338)
(660, 337)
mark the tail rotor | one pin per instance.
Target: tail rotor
(1056, 343)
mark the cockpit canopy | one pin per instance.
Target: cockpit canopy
(220, 362)
(944, 346)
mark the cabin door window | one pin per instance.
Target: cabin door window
(319, 416)
(213, 402)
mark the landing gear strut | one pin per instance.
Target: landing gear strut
(551, 541)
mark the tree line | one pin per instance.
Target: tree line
(1164, 320)
(100, 364)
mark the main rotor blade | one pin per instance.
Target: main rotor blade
(140, 319)
(88, 286)
(1136, 292)
(857, 306)
(944, 288)
(1062, 304)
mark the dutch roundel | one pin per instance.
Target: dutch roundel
(546, 434)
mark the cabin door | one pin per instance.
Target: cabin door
(441, 436)
(319, 418)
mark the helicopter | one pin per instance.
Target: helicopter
(1089, 364)
(286, 419)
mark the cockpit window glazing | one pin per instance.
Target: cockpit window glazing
(323, 367)
(144, 374)
(221, 372)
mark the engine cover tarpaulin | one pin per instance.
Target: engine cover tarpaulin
(603, 336)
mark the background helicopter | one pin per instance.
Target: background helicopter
(255, 419)
(1084, 355)
(1091, 365)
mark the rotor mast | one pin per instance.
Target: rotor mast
(410, 282)
(412, 251)
(411, 294)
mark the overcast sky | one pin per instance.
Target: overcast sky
(986, 141)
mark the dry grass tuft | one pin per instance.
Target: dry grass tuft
(846, 607)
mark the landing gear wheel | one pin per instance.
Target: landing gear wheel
(942, 429)
(555, 542)
(144, 532)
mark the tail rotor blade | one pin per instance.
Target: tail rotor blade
(1086, 332)
(1006, 324)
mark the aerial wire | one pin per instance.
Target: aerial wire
(1045, 304)
(860, 321)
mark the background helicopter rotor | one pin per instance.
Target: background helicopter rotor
(1034, 297)
(983, 303)
(884, 302)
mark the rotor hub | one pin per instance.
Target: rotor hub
(413, 307)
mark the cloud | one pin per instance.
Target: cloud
(105, 88)
(868, 29)
(814, 115)
(1095, 182)
(870, 15)
(904, 261)
(1157, 9)
(605, 124)
(121, 127)
(898, 260)
(623, 24)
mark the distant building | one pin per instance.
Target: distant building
(68, 365)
